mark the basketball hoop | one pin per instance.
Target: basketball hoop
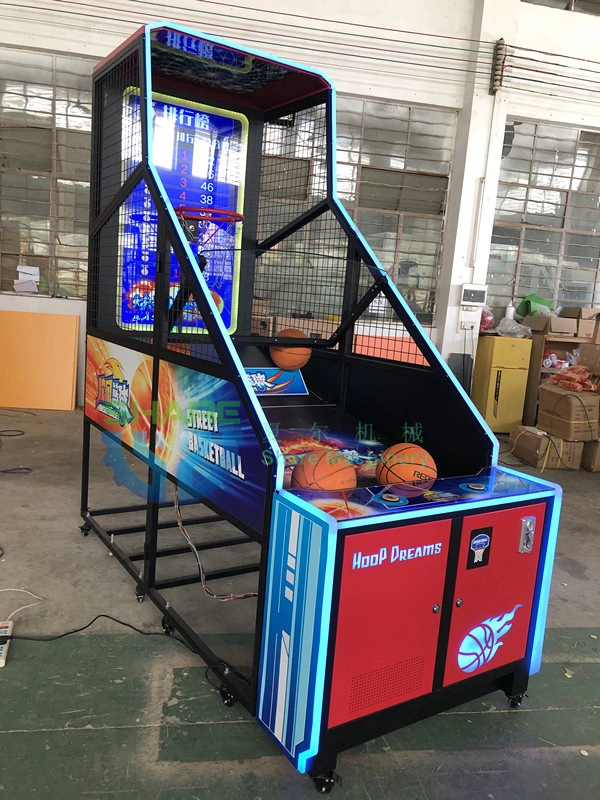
(201, 225)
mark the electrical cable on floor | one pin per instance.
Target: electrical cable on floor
(11, 432)
(29, 605)
(226, 667)
(223, 598)
(84, 627)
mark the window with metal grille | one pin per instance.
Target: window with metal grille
(546, 237)
(45, 117)
(393, 167)
(582, 6)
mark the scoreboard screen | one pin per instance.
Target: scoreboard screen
(199, 153)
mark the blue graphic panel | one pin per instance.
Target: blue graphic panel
(273, 380)
(205, 439)
(199, 153)
(296, 630)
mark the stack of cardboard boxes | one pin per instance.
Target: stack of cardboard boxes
(589, 357)
(567, 433)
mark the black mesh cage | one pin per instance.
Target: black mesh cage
(120, 300)
(117, 133)
(222, 219)
(293, 174)
(303, 276)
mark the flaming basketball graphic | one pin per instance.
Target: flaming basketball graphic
(481, 643)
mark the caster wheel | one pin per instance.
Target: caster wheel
(228, 698)
(139, 595)
(167, 626)
(85, 529)
(515, 702)
(324, 783)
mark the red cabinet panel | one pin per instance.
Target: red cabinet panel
(387, 630)
(494, 591)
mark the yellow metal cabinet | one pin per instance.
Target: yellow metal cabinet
(500, 380)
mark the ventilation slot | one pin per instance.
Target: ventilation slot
(386, 685)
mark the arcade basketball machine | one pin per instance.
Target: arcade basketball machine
(386, 566)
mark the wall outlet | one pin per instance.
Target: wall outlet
(468, 319)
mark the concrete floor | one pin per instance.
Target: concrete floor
(110, 714)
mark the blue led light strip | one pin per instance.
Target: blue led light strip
(540, 603)
(444, 510)
(192, 261)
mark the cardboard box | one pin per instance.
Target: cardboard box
(315, 328)
(570, 415)
(586, 328)
(589, 357)
(262, 325)
(586, 320)
(557, 326)
(590, 459)
(543, 451)
(261, 307)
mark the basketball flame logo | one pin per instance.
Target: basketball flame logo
(481, 643)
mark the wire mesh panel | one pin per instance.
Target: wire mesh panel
(293, 168)
(183, 319)
(303, 276)
(380, 333)
(117, 130)
(123, 259)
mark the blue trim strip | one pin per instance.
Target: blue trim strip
(443, 509)
(533, 479)
(541, 600)
(433, 353)
(298, 601)
(236, 362)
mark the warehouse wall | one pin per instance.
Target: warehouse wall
(434, 52)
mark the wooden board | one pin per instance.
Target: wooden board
(38, 360)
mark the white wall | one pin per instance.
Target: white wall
(343, 39)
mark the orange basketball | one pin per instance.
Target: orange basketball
(325, 470)
(290, 357)
(407, 466)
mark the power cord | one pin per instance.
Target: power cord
(226, 667)
(29, 605)
(10, 432)
(223, 598)
(89, 624)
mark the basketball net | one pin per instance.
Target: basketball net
(201, 225)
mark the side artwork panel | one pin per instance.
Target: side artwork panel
(118, 392)
(298, 596)
(204, 439)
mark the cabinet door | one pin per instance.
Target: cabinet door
(391, 591)
(495, 582)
